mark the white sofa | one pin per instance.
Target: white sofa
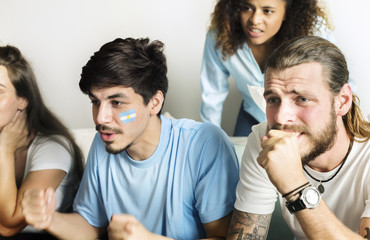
(84, 138)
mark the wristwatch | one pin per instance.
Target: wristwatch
(309, 198)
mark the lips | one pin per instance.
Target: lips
(106, 136)
(294, 133)
(255, 32)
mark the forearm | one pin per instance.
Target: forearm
(64, 225)
(321, 223)
(11, 220)
(249, 226)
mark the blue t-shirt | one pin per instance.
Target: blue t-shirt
(189, 180)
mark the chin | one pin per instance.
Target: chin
(113, 151)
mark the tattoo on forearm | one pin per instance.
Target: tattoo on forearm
(246, 226)
(367, 236)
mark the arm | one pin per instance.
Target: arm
(281, 159)
(14, 141)
(39, 211)
(13, 137)
(12, 218)
(321, 223)
(13, 150)
(63, 226)
(214, 82)
(365, 228)
(249, 226)
(218, 229)
(124, 226)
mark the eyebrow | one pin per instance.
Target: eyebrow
(266, 93)
(269, 92)
(117, 95)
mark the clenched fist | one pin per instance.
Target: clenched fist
(38, 207)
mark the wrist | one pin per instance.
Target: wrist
(293, 195)
(4, 153)
(309, 197)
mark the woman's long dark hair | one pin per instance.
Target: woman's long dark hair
(40, 120)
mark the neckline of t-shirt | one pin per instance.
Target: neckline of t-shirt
(159, 151)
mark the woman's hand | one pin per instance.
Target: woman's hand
(14, 135)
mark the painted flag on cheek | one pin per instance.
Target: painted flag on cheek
(128, 116)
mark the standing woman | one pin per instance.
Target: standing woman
(242, 35)
(36, 149)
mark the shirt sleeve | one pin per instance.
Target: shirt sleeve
(88, 202)
(255, 193)
(218, 173)
(214, 82)
(49, 154)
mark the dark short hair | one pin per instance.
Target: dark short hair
(129, 62)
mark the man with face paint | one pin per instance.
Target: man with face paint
(146, 176)
(312, 153)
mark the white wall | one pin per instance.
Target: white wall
(59, 36)
(352, 30)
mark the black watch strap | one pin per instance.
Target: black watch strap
(295, 206)
(309, 197)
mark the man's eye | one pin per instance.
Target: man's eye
(95, 102)
(116, 103)
(268, 11)
(303, 99)
(272, 100)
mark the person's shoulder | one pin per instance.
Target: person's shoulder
(197, 128)
(41, 141)
(362, 145)
(322, 30)
(188, 124)
(211, 36)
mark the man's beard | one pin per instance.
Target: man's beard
(108, 144)
(109, 148)
(322, 141)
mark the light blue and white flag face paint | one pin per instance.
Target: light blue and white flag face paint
(128, 116)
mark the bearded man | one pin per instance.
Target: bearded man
(312, 153)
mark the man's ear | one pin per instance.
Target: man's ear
(22, 103)
(344, 100)
(156, 103)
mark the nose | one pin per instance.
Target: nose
(256, 17)
(285, 114)
(103, 114)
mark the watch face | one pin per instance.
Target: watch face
(312, 196)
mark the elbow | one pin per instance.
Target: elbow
(8, 232)
(5, 232)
